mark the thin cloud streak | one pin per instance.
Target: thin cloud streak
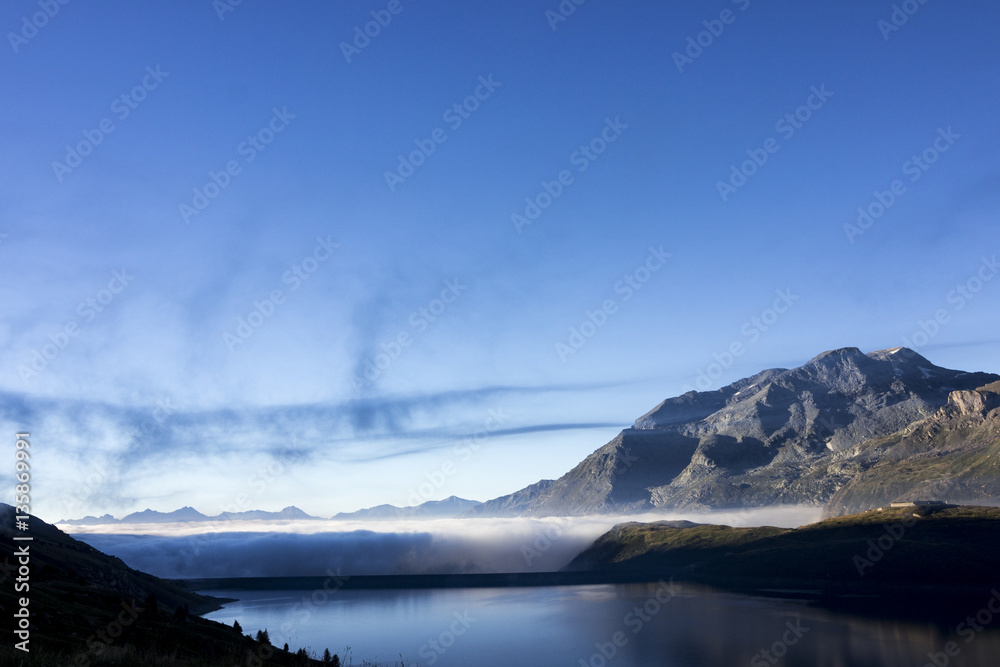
(452, 437)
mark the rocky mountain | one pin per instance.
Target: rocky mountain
(782, 436)
(433, 509)
(954, 454)
(513, 504)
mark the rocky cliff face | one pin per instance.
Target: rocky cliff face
(778, 437)
(953, 455)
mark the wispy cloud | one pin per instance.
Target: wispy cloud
(114, 457)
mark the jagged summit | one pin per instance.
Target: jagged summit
(699, 404)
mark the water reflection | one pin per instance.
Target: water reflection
(626, 625)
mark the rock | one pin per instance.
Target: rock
(781, 436)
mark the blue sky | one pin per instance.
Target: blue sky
(121, 343)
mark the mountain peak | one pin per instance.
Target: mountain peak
(780, 436)
(841, 353)
(898, 355)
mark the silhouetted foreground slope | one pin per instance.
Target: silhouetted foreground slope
(904, 547)
(88, 608)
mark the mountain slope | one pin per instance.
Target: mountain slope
(69, 563)
(953, 454)
(954, 546)
(88, 608)
(778, 437)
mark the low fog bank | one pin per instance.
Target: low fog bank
(449, 546)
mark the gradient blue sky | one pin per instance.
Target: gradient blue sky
(148, 402)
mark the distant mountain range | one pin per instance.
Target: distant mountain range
(189, 514)
(848, 430)
(435, 509)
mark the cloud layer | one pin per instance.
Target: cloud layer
(262, 549)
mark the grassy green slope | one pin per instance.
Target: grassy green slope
(952, 456)
(953, 546)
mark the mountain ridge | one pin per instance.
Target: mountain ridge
(188, 515)
(780, 436)
(432, 509)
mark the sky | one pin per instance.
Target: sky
(338, 254)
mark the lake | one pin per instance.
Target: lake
(675, 625)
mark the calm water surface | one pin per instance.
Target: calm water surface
(622, 625)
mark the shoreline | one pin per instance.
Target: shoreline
(416, 581)
(823, 592)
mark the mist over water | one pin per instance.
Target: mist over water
(445, 546)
